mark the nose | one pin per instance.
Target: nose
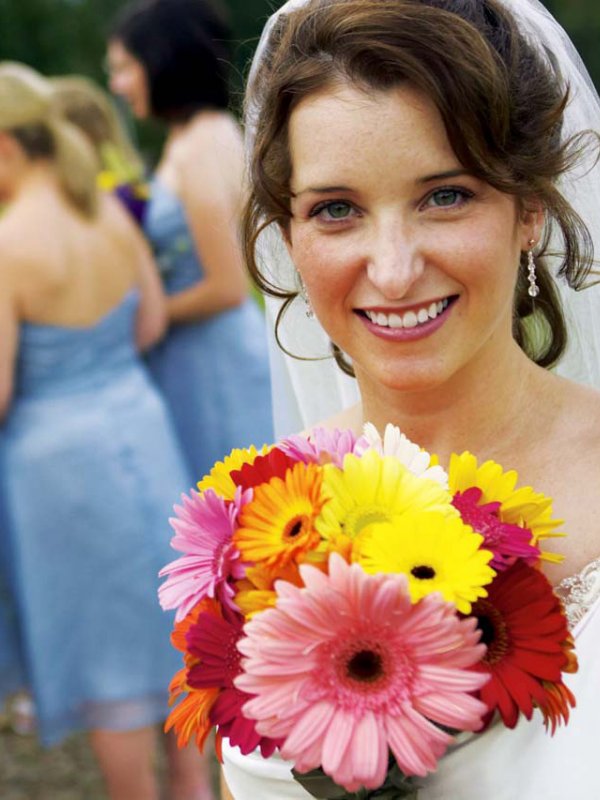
(395, 259)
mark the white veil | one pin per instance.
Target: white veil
(307, 391)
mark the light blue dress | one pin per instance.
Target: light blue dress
(89, 470)
(214, 373)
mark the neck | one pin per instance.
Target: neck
(485, 408)
(34, 178)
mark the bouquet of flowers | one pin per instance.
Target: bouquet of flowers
(346, 601)
(119, 178)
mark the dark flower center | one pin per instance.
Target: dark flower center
(494, 632)
(423, 572)
(365, 666)
(294, 528)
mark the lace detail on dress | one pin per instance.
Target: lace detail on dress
(579, 592)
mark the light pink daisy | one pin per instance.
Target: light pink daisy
(346, 669)
(203, 529)
(321, 446)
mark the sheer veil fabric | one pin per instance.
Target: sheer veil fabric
(312, 389)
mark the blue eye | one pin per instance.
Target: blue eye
(332, 210)
(448, 197)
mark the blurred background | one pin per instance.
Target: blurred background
(60, 37)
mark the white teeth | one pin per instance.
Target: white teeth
(409, 319)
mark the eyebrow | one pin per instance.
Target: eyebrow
(438, 176)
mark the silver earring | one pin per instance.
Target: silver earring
(308, 309)
(533, 289)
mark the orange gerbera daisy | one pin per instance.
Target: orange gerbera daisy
(256, 591)
(191, 714)
(277, 525)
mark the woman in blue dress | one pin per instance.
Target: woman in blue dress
(89, 462)
(169, 60)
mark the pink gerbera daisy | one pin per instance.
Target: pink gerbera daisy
(203, 529)
(348, 668)
(322, 446)
(211, 642)
(507, 542)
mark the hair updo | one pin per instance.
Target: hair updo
(501, 100)
(28, 112)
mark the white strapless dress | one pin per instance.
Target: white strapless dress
(521, 764)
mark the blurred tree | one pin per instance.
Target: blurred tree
(66, 36)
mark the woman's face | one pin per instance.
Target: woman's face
(409, 261)
(128, 78)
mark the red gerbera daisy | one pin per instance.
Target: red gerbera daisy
(507, 541)
(212, 642)
(274, 464)
(525, 630)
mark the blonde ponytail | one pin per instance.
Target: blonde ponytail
(26, 106)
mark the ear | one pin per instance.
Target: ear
(532, 218)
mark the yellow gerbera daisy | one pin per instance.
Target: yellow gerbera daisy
(370, 490)
(219, 478)
(278, 525)
(437, 553)
(518, 506)
(256, 591)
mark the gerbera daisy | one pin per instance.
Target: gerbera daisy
(397, 445)
(321, 446)
(191, 714)
(212, 642)
(219, 479)
(522, 506)
(435, 552)
(525, 630)
(256, 591)
(348, 667)
(506, 541)
(272, 465)
(373, 489)
(278, 525)
(203, 529)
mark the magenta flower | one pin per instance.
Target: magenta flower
(203, 529)
(322, 446)
(347, 668)
(213, 641)
(507, 542)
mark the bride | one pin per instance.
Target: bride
(415, 157)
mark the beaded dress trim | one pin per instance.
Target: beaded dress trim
(579, 592)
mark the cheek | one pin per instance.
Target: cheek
(324, 262)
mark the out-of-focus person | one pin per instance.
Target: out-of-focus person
(89, 460)
(169, 60)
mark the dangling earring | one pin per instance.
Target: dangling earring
(308, 309)
(533, 289)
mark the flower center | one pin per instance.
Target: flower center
(294, 528)
(494, 633)
(423, 572)
(362, 517)
(365, 666)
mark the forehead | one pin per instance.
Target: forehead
(346, 130)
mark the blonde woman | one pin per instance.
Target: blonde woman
(89, 463)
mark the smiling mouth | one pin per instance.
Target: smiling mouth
(412, 318)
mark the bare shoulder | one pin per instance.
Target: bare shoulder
(18, 249)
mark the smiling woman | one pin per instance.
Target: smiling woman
(408, 154)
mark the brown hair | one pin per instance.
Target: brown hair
(501, 101)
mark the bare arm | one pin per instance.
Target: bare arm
(207, 169)
(151, 320)
(9, 337)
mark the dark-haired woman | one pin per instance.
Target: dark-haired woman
(414, 157)
(169, 59)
